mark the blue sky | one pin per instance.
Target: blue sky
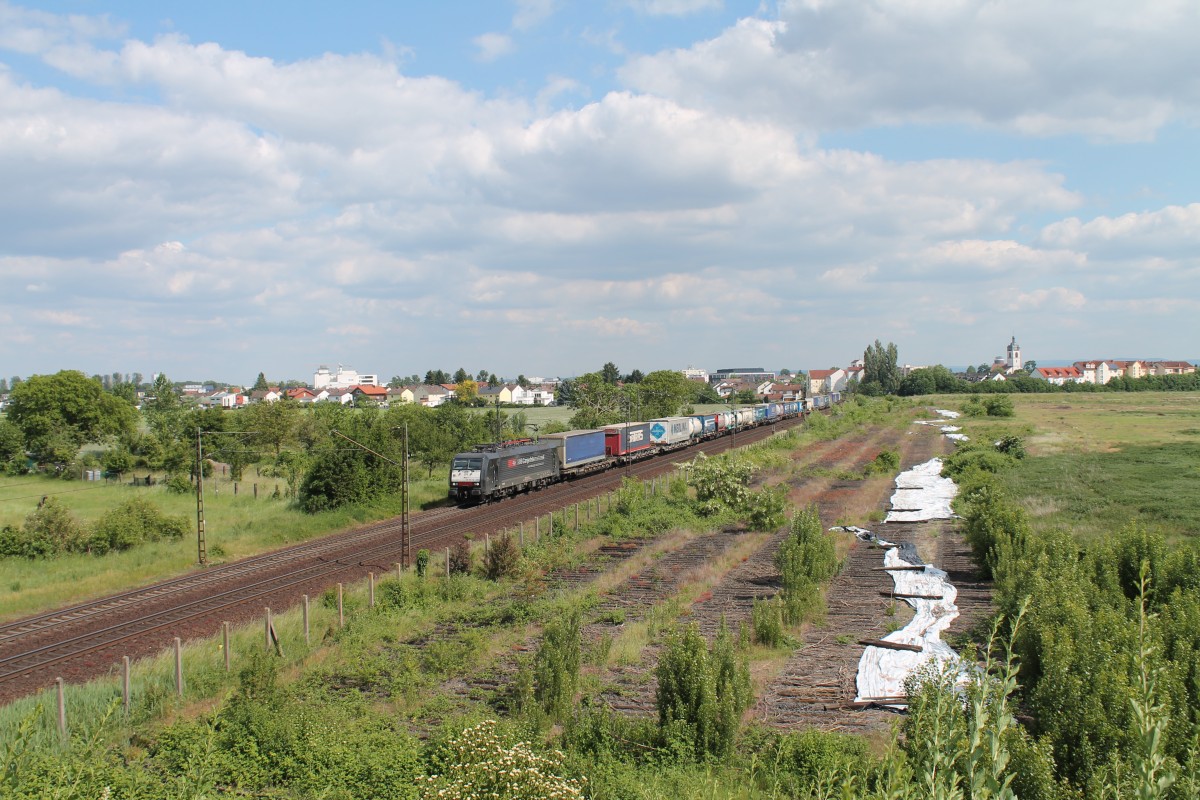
(538, 187)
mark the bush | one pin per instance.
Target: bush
(483, 762)
(460, 557)
(179, 484)
(48, 531)
(132, 523)
(886, 463)
(422, 562)
(702, 692)
(806, 559)
(502, 558)
(767, 620)
(556, 665)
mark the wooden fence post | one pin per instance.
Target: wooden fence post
(370, 590)
(341, 609)
(447, 562)
(125, 699)
(267, 626)
(255, 491)
(307, 638)
(178, 667)
(521, 534)
(577, 516)
(60, 689)
(225, 643)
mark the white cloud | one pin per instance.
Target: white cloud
(1169, 229)
(673, 8)
(1109, 70)
(531, 13)
(492, 46)
(1057, 298)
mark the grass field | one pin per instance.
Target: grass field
(1098, 461)
(235, 527)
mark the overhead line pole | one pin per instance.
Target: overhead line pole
(201, 547)
(403, 465)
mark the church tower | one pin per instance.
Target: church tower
(1014, 356)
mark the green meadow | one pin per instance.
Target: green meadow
(1097, 461)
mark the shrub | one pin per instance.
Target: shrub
(806, 559)
(179, 484)
(48, 531)
(702, 692)
(502, 558)
(556, 666)
(765, 509)
(482, 762)
(887, 462)
(422, 562)
(132, 523)
(767, 619)
(460, 557)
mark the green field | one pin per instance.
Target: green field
(1098, 461)
(235, 527)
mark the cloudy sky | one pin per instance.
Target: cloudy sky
(214, 189)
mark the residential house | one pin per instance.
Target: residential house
(431, 396)
(1132, 369)
(272, 395)
(301, 394)
(344, 396)
(377, 394)
(502, 393)
(1098, 371)
(399, 394)
(824, 381)
(1170, 368)
(1059, 375)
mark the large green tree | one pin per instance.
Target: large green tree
(60, 412)
(596, 401)
(662, 393)
(881, 374)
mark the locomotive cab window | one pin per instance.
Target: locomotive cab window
(468, 463)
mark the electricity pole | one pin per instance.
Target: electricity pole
(404, 533)
(201, 548)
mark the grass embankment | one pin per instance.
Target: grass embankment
(235, 527)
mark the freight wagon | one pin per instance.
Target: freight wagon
(579, 452)
(673, 432)
(627, 440)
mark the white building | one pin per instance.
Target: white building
(693, 374)
(344, 378)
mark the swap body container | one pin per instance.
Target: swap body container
(674, 430)
(709, 423)
(578, 448)
(625, 438)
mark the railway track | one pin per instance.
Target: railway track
(85, 640)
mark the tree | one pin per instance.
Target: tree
(164, 397)
(662, 393)
(784, 373)
(12, 442)
(467, 391)
(436, 377)
(745, 397)
(273, 424)
(880, 369)
(522, 381)
(137, 379)
(596, 402)
(493, 379)
(460, 375)
(126, 391)
(610, 374)
(3, 385)
(982, 369)
(260, 384)
(1030, 366)
(67, 408)
(481, 376)
(396, 382)
(971, 370)
(635, 377)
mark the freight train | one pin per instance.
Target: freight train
(491, 472)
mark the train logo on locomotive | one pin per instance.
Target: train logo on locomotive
(538, 459)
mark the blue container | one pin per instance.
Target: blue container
(708, 423)
(760, 413)
(576, 448)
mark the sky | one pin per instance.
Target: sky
(216, 189)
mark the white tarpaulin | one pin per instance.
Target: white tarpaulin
(883, 671)
(922, 494)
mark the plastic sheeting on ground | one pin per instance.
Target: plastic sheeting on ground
(948, 414)
(922, 494)
(882, 671)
